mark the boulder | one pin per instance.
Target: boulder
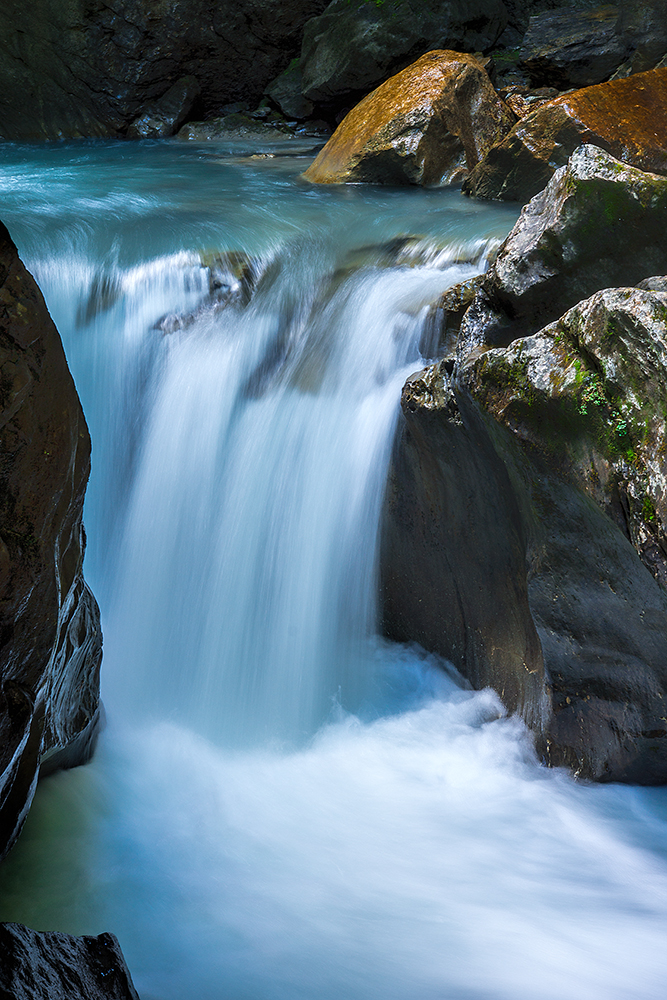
(643, 26)
(50, 640)
(74, 69)
(53, 966)
(573, 47)
(285, 92)
(165, 117)
(598, 223)
(354, 46)
(429, 125)
(497, 551)
(626, 117)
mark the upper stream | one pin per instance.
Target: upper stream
(283, 806)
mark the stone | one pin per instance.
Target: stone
(165, 117)
(285, 92)
(70, 69)
(50, 639)
(353, 46)
(497, 551)
(642, 24)
(50, 965)
(597, 224)
(573, 47)
(626, 117)
(428, 125)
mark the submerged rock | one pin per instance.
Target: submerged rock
(573, 47)
(50, 640)
(352, 47)
(598, 223)
(49, 965)
(429, 124)
(626, 117)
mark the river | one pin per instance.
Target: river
(284, 806)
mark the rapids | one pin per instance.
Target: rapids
(283, 805)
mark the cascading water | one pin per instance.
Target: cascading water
(283, 805)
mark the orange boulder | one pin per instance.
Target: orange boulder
(429, 124)
(626, 117)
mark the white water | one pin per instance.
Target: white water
(283, 805)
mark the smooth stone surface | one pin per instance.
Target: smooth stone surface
(597, 224)
(50, 965)
(50, 640)
(428, 124)
(626, 117)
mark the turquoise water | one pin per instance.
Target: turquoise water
(283, 805)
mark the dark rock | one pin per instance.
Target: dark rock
(285, 92)
(524, 100)
(626, 117)
(237, 125)
(493, 557)
(598, 223)
(50, 640)
(573, 47)
(429, 124)
(643, 26)
(353, 47)
(91, 70)
(443, 323)
(166, 116)
(53, 966)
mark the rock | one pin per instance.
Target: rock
(626, 117)
(429, 125)
(50, 640)
(598, 223)
(443, 322)
(643, 26)
(166, 116)
(353, 47)
(522, 100)
(53, 966)
(573, 47)
(91, 70)
(233, 126)
(590, 392)
(285, 92)
(494, 556)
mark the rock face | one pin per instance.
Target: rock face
(428, 125)
(627, 117)
(497, 552)
(590, 393)
(50, 640)
(573, 48)
(90, 69)
(166, 116)
(598, 223)
(54, 966)
(352, 47)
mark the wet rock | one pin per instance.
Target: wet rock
(286, 92)
(429, 125)
(232, 278)
(352, 47)
(494, 556)
(626, 117)
(443, 324)
(237, 125)
(643, 26)
(50, 640)
(92, 70)
(53, 966)
(165, 117)
(597, 224)
(573, 47)
(589, 392)
(524, 100)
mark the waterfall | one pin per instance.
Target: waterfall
(283, 805)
